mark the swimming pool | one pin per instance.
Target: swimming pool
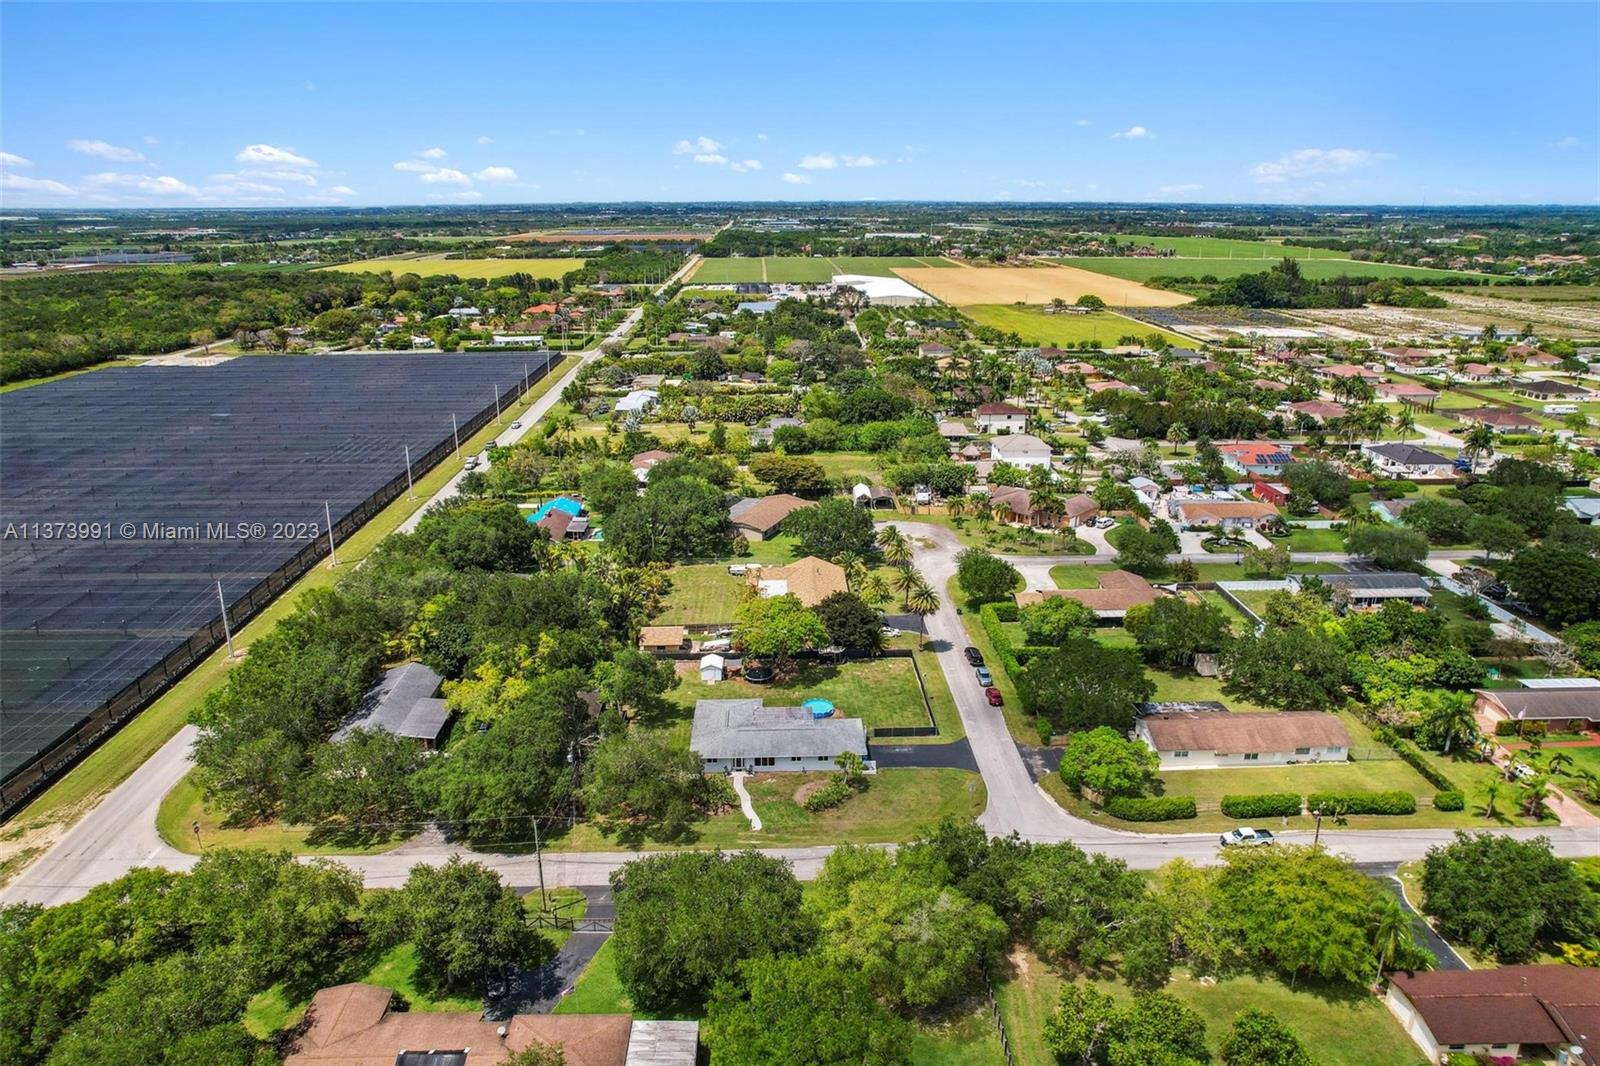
(560, 503)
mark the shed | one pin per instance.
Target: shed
(663, 638)
(713, 668)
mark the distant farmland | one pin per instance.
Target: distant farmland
(1102, 329)
(1226, 247)
(463, 268)
(1035, 285)
(797, 269)
(1317, 269)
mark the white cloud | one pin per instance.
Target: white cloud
(165, 185)
(1133, 133)
(341, 190)
(711, 159)
(740, 166)
(9, 160)
(485, 140)
(433, 153)
(102, 150)
(294, 177)
(1568, 141)
(1313, 162)
(1170, 190)
(148, 139)
(411, 166)
(860, 161)
(761, 137)
(25, 184)
(267, 155)
(819, 161)
(237, 187)
(444, 176)
(697, 147)
(496, 174)
(1081, 122)
(796, 179)
(1026, 184)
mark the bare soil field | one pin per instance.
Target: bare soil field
(1034, 285)
(1465, 311)
(1577, 319)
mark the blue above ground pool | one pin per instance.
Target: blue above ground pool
(560, 503)
(819, 708)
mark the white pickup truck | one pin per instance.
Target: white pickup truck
(1244, 836)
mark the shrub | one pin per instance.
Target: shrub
(1449, 800)
(1261, 805)
(1151, 808)
(1005, 612)
(1363, 802)
(829, 796)
(1413, 757)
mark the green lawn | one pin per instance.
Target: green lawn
(1103, 329)
(1340, 1027)
(966, 1039)
(897, 805)
(701, 593)
(598, 990)
(1312, 540)
(881, 692)
(1087, 575)
(183, 807)
(1002, 540)
(1227, 247)
(1142, 270)
(804, 269)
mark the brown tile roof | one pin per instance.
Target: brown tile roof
(1240, 733)
(1118, 591)
(811, 580)
(662, 636)
(1319, 408)
(1222, 509)
(1539, 703)
(1269, 384)
(350, 1025)
(557, 522)
(1107, 386)
(1406, 388)
(1498, 416)
(1507, 1005)
(764, 514)
(999, 409)
(1350, 370)
(1080, 505)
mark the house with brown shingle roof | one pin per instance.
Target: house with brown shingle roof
(1000, 418)
(1511, 1012)
(1119, 590)
(1560, 709)
(663, 638)
(759, 518)
(354, 1025)
(1320, 411)
(1207, 740)
(1223, 514)
(810, 580)
(1506, 418)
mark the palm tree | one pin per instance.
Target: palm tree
(1479, 441)
(956, 506)
(1000, 512)
(1452, 718)
(1354, 516)
(1177, 433)
(1587, 783)
(1558, 763)
(1490, 795)
(1077, 454)
(1405, 421)
(905, 581)
(1391, 932)
(854, 567)
(922, 602)
(874, 590)
(893, 543)
(1048, 505)
(1533, 796)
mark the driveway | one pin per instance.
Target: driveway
(538, 991)
(956, 755)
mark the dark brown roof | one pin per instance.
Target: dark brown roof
(1239, 733)
(764, 514)
(1508, 1005)
(1000, 409)
(1118, 591)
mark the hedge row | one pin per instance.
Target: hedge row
(989, 618)
(1413, 757)
(1363, 802)
(1261, 805)
(1449, 800)
(1151, 808)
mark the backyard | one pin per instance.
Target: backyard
(881, 692)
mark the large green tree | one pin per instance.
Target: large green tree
(1056, 620)
(834, 527)
(1562, 584)
(1507, 898)
(1292, 669)
(775, 628)
(1171, 631)
(985, 578)
(672, 520)
(1105, 761)
(1084, 684)
(802, 1010)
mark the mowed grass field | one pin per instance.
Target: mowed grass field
(463, 268)
(1102, 329)
(1226, 247)
(1035, 285)
(797, 269)
(1315, 269)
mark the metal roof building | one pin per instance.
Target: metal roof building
(743, 734)
(403, 703)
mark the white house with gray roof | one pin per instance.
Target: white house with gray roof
(746, 735)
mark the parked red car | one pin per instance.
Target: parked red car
(995, 699)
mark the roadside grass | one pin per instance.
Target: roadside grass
(1102, 329)
(598, 989)
(1343, 1027)
(964, 1037)
(184, 807)
(1312, 540)
(128, 748)
(897, 805)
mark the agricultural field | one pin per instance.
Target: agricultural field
(1316, 269)
(1547, 294)
(795, 269)
(592, 235)
(1034, 285)
(1102, 329)
(462, 268)
(1226, 247)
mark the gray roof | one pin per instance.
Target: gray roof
(1409, 455)
(1182, 707)
(1544, 703)
(744, 729)
(652, 1043)
(402, 703)
(1370, 582)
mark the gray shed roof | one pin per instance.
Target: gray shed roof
(744, 729)
(402, 703)
(1397, 581)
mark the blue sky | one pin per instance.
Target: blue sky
(407, 103)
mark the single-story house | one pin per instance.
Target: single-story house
(954, 430)
(1088, 371)
(744, 734)
(1020, 449)
(1561, 709)
(644, 461)
(1268, 385)
(1000, 418)
(1076, 510)
(1274, 492)
(1478, 372)
(1391, 510)
(757, 307)
(1509, 1012)
(933, 349)
(873, 496)
(1408, 392)
(1408, 356)
(1549, 390)
(564, 525)
(810, 580)
(712, 667)
(759, 518)
(1372, 589)
(1209, 740)
(1118, 591)
(1583, 508)
(1111, 386)
(1146, 489)
(1222, 514)
(1502, 418)
(663, 638)
(355, 1025)
(1079, 509)
(638, 401)
(1343, 371)
(404, 703)
(1257, 458)
(1408, 460)
(1319, 411)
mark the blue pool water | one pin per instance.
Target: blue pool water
(819, 708)
(560, 503)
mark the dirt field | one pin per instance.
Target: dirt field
(1465, 310)
(597, 237)
(1574, 319)
(1034, 285)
